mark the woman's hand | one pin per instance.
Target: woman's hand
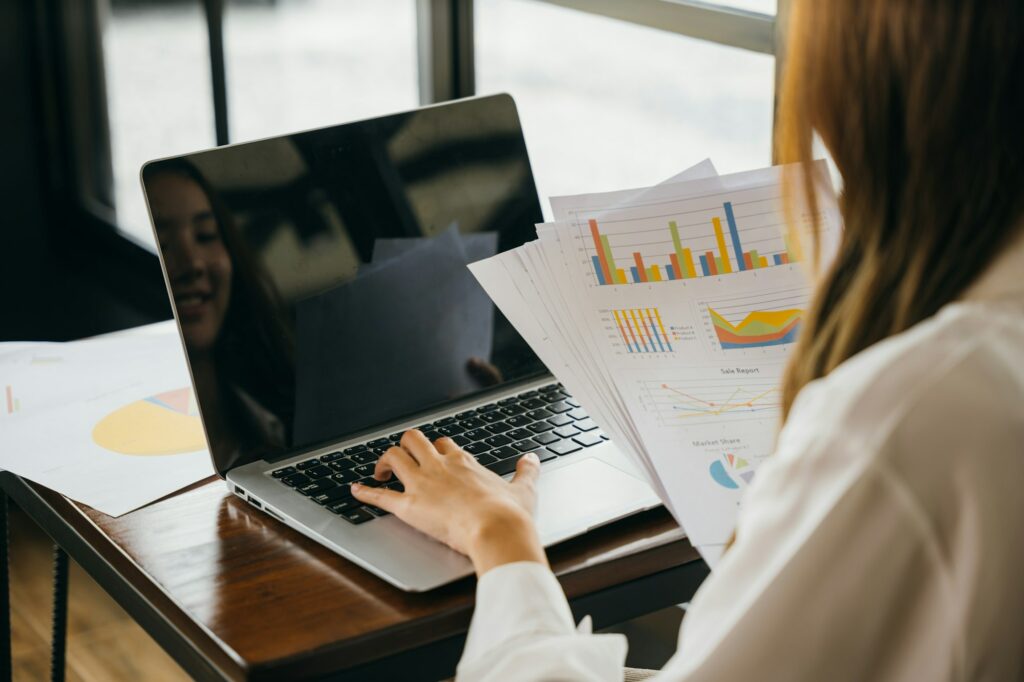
(450, 496)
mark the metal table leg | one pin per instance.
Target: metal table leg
(60, 614)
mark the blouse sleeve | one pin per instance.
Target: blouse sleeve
(522, 629)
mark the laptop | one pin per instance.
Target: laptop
(320, 287)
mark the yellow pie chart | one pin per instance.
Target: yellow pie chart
(163, 424)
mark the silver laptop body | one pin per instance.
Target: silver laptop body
(302, 371)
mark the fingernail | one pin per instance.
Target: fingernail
(356, 486)
(533, 457)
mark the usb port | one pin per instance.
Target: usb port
(255, 503)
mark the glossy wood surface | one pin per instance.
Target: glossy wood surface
(259, 600)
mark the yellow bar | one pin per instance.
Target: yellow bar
(720, 238)
(688, 263)
(660, 325)
(620, 276)
(655, 274)
(763, 262)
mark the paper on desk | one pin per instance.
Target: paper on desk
(682, 371)
(108, 422)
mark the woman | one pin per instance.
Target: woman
(885, 538)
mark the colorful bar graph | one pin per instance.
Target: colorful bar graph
(642, 330)
(725, 257)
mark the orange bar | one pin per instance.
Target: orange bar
(711, 262)
(601, 256)
(784, 257)
(640, 271)
(748, 261)
(680, 273)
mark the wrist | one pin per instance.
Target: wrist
(503, 537)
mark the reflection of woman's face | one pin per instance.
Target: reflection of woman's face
(198, 263)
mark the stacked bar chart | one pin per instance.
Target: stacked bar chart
(642, 330)
(727, 256)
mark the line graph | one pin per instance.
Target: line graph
(712, 401)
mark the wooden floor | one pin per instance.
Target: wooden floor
(104, 643)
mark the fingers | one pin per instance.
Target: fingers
(395, 460)
(417, 445)
(388, 500)
(446, 446)
(527, 470)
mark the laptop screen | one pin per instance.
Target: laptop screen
(320, 279)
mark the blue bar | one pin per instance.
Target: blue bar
(735, 235)
(704, 266)
(778, 259)
(671, 271)
(636, 274)
(597, 269)
(657, 336)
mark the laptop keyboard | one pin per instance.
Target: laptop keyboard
(546, 421)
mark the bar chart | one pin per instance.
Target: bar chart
(642, 330)
(707, 249)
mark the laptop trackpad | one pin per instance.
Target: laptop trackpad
(583, 495)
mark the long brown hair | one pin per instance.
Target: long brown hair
(921, 105)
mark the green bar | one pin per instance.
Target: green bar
(754, 263)
(679, 249)
(608, 253)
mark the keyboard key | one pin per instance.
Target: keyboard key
(489, 407)
(567, 431)
(452, 430)
(546, 438)
(472, 423)
(491, 417)
(525, 445)
(553, 397)
(432, 435)
(395, 485)
(588, 439)
(365, 469)
(499, 427)
(604, 436)
(281, 473)
(376, 511)
(572, 401)
(532, 404)
(296, 480)
(332, 457)
(549, 388)
(544, 455)
(540, 414)
(512, 410)
(468, 414)
(504, 452)
(371, 482)
(578, 413)
(317, 487)
(508, 401)
(444, 422)
(560, 420)
(396, 437)
(379, 443)
(505, 466)
(333, 495)
(424, 427)
(478, 447)
(365, 457)
(308, 464)
(354, 449)
(345, 476)
(519, 420)
(540, 427)
(498, 441)
(528, 394)
(342, 506)
(342, 465)
(477, 434)
(519, 434)
(320, 471)
(560, 407)
(356, 516)
(461, 441)
(487, 458)
(564, 447)
(586, 425)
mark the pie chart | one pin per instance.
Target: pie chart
(163, 424)
(731, 471)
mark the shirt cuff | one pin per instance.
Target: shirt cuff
(515, 600)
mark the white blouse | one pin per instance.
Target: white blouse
(884, 540)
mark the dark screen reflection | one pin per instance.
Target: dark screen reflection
(320, 280)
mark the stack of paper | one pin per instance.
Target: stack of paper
(669, 311)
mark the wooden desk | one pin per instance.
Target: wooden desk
(232, 594)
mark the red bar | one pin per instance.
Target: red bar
(680, 273)
(710, 255)
(746, 259)
(601, 256)
(640, 270)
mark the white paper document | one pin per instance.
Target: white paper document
(669, 313)
(109, 422)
